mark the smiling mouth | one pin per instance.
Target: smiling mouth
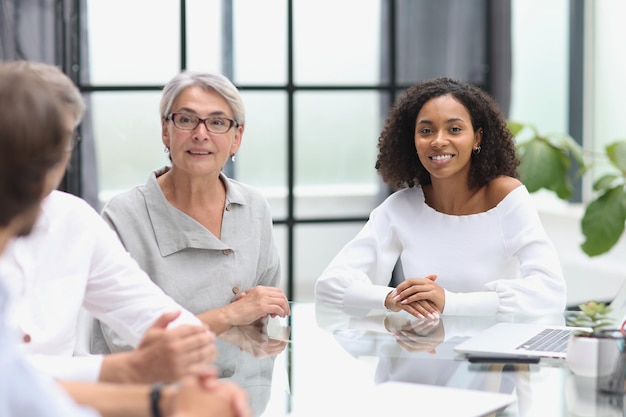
(199, 152)
(440, 157)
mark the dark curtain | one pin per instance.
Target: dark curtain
(465, 39)
(53, 32)
(499, 56)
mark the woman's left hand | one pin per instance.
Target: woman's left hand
(418, 290)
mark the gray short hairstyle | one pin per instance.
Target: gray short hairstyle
(207, 81)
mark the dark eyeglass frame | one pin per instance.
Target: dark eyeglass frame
(231, 122)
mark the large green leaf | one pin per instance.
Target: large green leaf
(604, 182)
(603, 222)
(617, 154)
(567, 144)
(544, 166)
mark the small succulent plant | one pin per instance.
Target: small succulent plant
(593, 315)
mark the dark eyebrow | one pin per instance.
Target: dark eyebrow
(453, 120)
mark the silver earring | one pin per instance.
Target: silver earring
(476, 150)
(233, 157)
(166, 150)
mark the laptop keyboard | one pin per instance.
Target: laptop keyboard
(548, 340)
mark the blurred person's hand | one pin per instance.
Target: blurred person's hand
(205, 396)
(163, 354)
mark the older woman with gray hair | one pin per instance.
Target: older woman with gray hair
(205, 239)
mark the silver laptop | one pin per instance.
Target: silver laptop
(533, 339)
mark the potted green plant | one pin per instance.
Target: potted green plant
(554, 161)
(583, 346)
(592, 315)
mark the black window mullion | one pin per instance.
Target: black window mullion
(183, 35)
(290, 154)
(576, 84)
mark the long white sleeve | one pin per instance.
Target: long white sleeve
(83, 368)
(73, 261)
(360, 273)
(120, 294)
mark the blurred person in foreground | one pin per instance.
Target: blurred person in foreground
(464, 228)
(205, 239)
(34, 139)
(71, 260)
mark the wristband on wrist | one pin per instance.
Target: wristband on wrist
(155, 397)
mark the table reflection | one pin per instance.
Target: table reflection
(246, 355)
(322, 356)
(421, 351)
(583, 399)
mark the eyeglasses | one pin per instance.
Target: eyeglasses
(186, 121)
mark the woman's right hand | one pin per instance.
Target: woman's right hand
(421, 309)
(420, 297)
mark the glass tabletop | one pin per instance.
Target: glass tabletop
(324, 359)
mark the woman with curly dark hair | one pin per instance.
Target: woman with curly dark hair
(464, 227)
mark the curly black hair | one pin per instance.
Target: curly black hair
(397, 161)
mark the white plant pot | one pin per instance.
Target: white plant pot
(582, 356)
